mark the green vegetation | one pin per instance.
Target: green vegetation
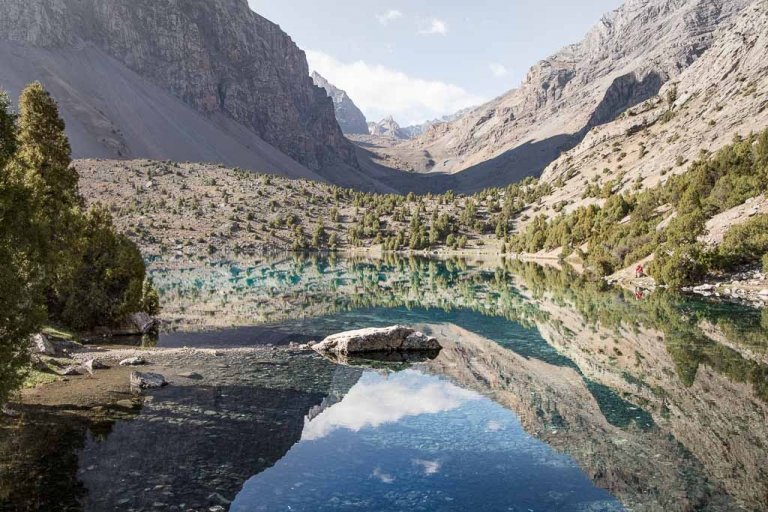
(745, 243)
(628, 227)
(62, 263)
(434, 221)
(680, 319)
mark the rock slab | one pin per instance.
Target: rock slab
(396, 338)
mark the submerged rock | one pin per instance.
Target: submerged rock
(141, 381)
(396, 338)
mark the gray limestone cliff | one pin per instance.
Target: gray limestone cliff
(216, 56)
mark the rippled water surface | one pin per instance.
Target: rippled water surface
(550, 393)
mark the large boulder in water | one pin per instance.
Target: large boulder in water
(397, 338)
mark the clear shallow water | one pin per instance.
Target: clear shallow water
(550, 393)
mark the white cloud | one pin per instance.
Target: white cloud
(380, 91)
(389, 16)
(434, 26)
(378, 400)
(498, 70)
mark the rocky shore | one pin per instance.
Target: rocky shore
(170, 448)
(85, 375)
(748, 287)
(91, 376)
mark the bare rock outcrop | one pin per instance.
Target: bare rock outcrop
(40, 344)
(720, 96)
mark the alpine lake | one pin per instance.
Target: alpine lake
(551, 393)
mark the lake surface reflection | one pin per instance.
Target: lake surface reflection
(551, 393)
(411, 441)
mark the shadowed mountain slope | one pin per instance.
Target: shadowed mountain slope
(198, 80)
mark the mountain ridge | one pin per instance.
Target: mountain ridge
(234, 70)
(624, 60)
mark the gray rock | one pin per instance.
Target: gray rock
(417, 341)
(388, 339)
(133, 361)
(141, 381)
(126, 404)
(69, 370)
(94, 364)
(40, 344)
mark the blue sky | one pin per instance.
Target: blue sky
(419, 59)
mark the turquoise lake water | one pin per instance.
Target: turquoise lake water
(550, 393)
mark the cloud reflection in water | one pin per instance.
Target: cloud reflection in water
(381, 399)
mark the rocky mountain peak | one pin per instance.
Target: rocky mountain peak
(351, 119)
(387, 127)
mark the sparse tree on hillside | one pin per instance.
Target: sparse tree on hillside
(672, 96)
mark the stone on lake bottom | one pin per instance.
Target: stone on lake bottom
(94, 364)
(191, 375)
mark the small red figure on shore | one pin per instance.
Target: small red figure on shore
(639, 271)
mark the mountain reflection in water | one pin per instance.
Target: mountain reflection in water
(551, 393)
(410, 441)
